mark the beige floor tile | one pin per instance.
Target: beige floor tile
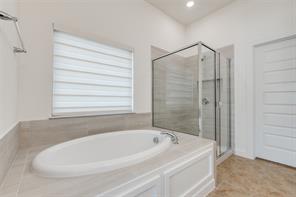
(254, 178)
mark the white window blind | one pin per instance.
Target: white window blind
(90, 78)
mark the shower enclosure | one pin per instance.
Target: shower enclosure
(191, 94)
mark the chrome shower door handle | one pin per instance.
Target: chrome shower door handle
(205, 101)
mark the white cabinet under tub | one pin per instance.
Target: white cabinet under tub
(190, 175)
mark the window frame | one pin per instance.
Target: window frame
(99, 41)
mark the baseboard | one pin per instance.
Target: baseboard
(244, 154)
(224, 157)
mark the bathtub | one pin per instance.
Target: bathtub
(99, 153)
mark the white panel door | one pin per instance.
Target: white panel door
(275, 101)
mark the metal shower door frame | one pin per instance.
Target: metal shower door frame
(217, 95)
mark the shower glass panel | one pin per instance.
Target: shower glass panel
(175, 91)
(225, 104)
(191, 94)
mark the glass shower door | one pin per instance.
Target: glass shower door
(215, 122)
(191, 94)
(225, 104)
(207, 74)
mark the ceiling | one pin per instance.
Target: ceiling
(178, 10)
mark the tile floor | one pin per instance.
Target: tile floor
(239, 177)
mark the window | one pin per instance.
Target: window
(90, 78)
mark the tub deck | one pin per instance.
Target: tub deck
(21, 182)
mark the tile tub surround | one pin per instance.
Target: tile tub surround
(48, 132)
(8, 148)
(23, 183)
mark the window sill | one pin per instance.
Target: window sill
(53, 117)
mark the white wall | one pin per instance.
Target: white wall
(133, 23)
(8, 70)
(136, 24)
(245, 23)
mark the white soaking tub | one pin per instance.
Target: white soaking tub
(99, 153)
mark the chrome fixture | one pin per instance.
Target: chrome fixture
(173, 137)
(7, 17)
(205, 101)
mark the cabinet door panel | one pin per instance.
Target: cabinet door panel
(190, 176)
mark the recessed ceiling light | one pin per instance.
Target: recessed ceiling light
(190, 4)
